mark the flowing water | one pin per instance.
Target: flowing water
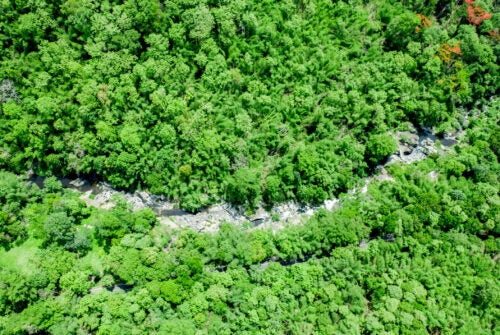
(412, 147)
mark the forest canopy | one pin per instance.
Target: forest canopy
(247, 101)
(255, 103)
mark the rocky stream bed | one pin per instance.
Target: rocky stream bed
(413, 146)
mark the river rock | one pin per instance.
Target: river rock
(329, 205)
(412, 147)
(147, 198)
(408, 138)
(260, 216)
(78, 183)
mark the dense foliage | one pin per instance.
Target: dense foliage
(248, 100)
(72, 269)
(251, 101)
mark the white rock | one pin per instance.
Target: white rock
(329, 205)
(77, 183)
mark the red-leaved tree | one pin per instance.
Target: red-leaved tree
(476, 13)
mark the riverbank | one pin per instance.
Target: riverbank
(413, 146)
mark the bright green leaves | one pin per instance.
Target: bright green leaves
(108, 226)
(158, 46)
(313, 179)
(225, 24)
(131, 137)
(379, 147)
(401, 30)
(32, 26)
(132, 91)
(200, 21)
(307, 161)
(78, 14)
(273, 190)
(60, 229)
(14, 194)
(169, 291)
(244, 187)
(76, 282)
(105, 132)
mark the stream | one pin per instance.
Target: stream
(413, 146)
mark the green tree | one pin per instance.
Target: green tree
(244, 187)
(379, 147)
(59, 229)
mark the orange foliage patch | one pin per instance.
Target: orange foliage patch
(447, 52)
(425, 22)
(476, 13)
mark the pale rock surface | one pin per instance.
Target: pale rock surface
(412, 147)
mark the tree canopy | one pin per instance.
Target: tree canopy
(183, 97)
(256, 103)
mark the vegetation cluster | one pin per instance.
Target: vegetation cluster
(249, 101)
(417, 255)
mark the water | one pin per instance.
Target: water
(74, 184)
(210, 218)
(160, 206)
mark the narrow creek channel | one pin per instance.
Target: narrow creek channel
(413, 146)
